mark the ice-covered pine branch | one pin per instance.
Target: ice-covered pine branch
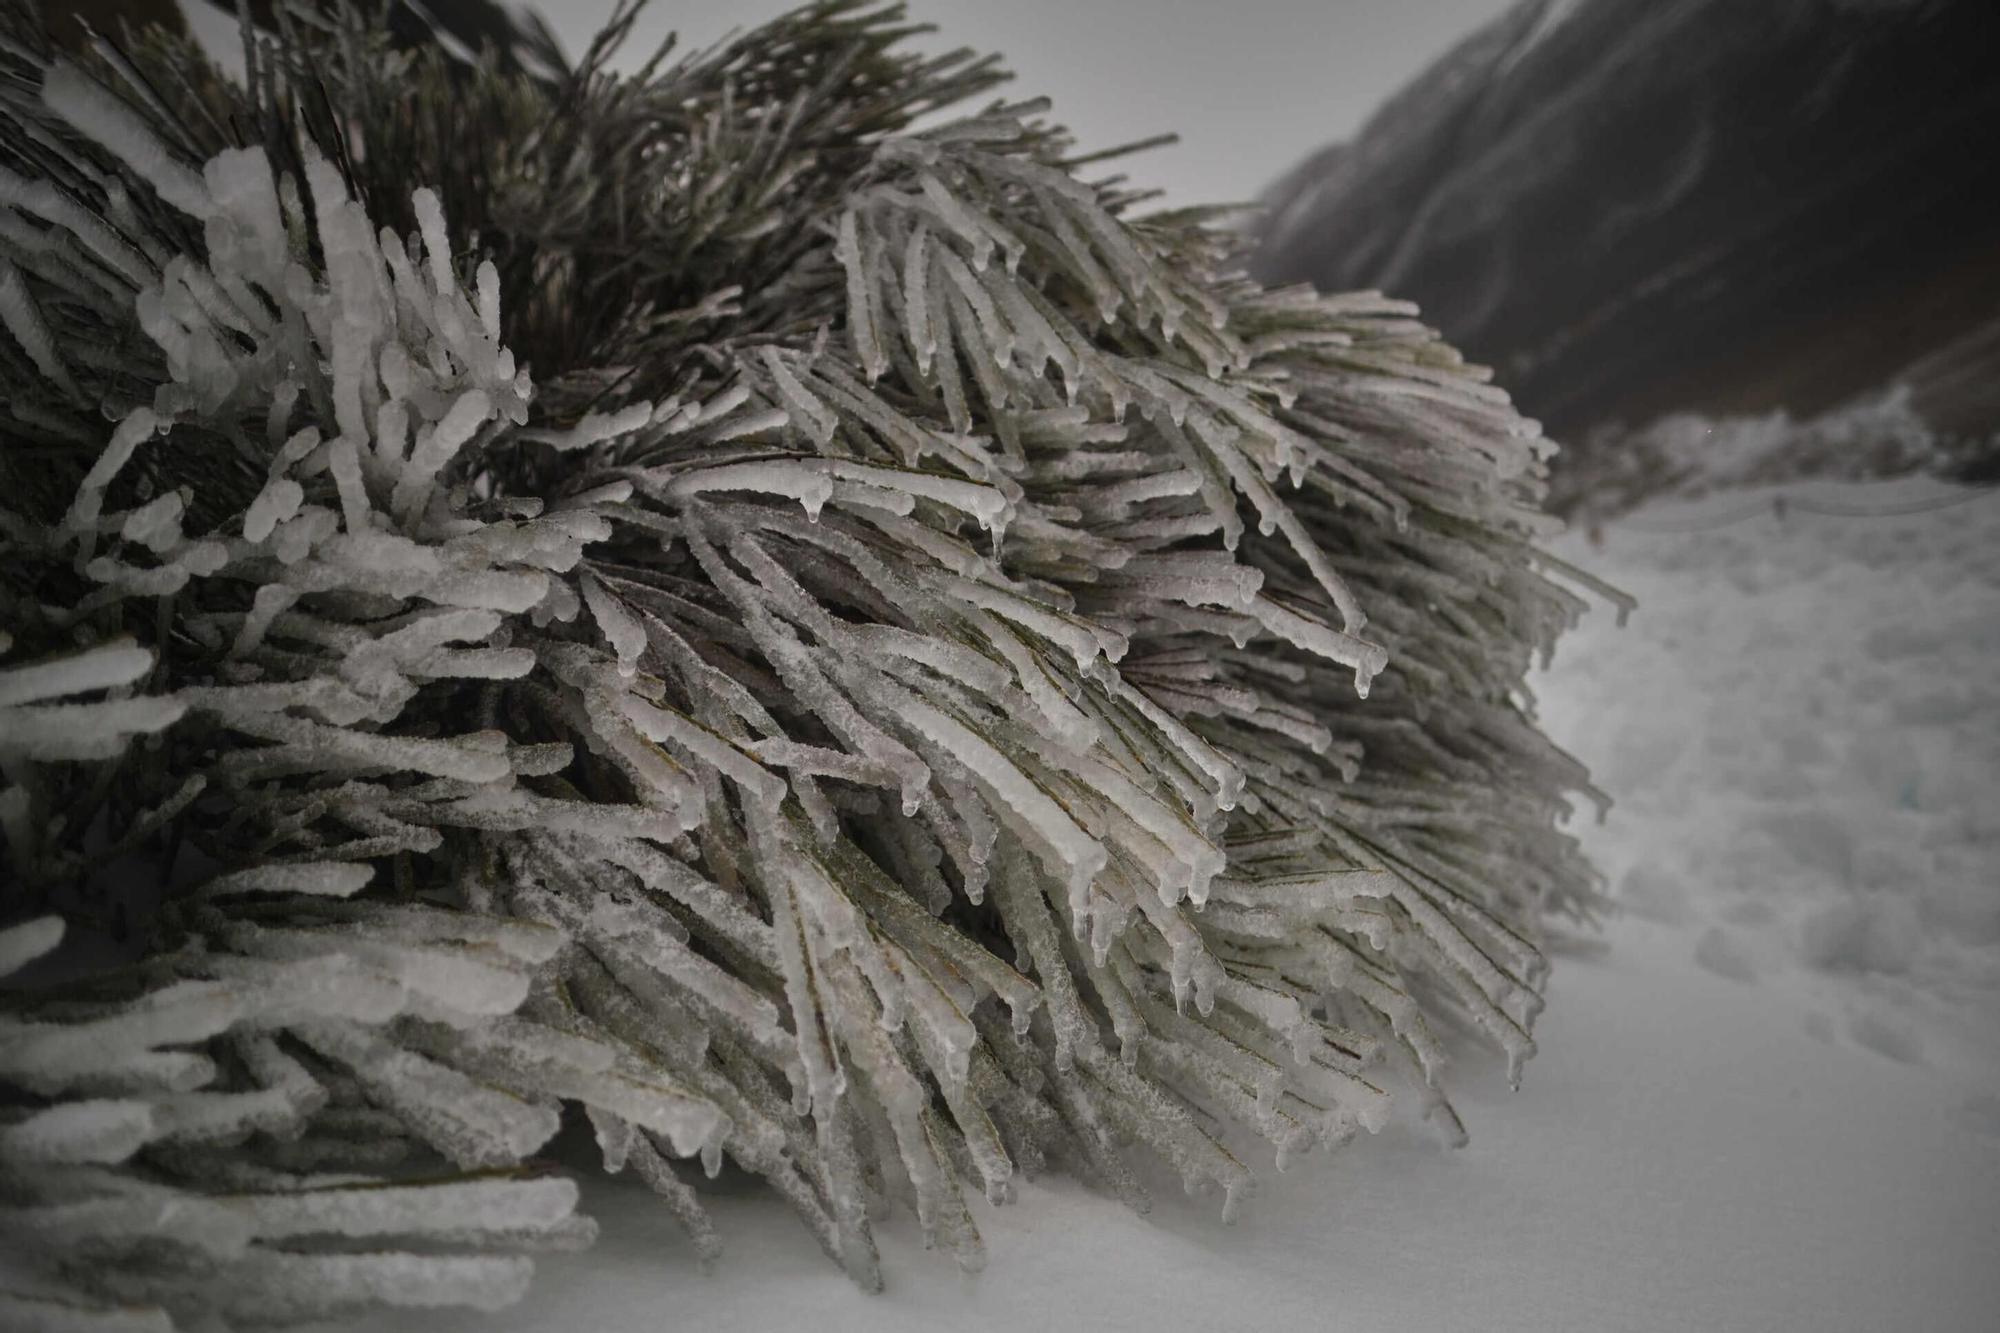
(788, 638)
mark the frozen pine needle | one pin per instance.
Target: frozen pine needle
(528, 591)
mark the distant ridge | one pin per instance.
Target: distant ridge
(1635, 207)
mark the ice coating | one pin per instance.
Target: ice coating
(23, 944)
(840, 723)
(105, 666)
(93, 110)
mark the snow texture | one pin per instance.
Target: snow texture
(1802, 730)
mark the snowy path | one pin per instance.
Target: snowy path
(1767, 1105)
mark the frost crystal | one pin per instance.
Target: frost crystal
(635, 609)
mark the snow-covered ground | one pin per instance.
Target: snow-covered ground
(1770, 1102)
(1802, 729)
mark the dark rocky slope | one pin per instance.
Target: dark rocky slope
(1634, 207)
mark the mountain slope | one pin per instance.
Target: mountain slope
(1631, 207)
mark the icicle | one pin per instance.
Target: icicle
(437, 246)
(54, 732)
(344, 461)
(488, 280)
(332, 879)
(23, 944)
(916, 299)
(1066, 847)
(1366, 658)
(862, 320)
(809, 483)
(23, 319)
(956, 216)
(138, 424)
(104, 667)
(621, 628)
(805, 407)
(596, 427)
(98, 113)
(156, 525)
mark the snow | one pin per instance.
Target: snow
(1680, 1156)
(1802, 728)
(1762, 1100)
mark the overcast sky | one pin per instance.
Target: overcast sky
(1251, 86)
